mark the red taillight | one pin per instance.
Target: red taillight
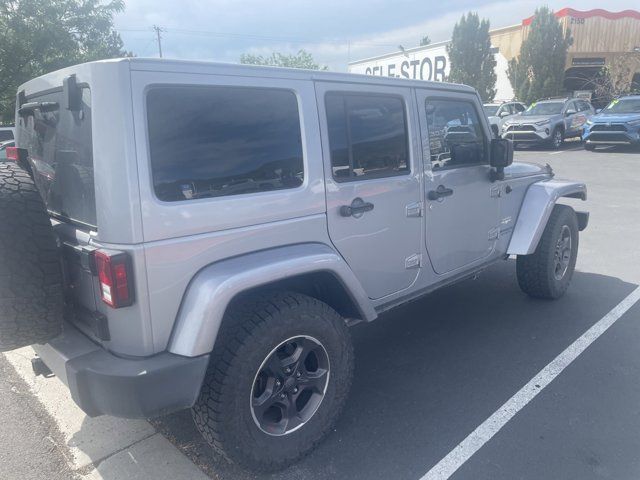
(114, 275)
(12, 154)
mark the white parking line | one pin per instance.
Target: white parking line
(567, 150)
(492, 425)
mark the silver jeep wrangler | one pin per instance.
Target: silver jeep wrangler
(193, 235)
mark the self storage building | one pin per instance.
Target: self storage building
(600, 38)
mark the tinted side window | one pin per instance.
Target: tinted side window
(519, 107)
(584, 106)
(456, 137)
(367, 136)
(217, 141)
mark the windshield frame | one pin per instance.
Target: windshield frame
(529, 112)
(609, 109)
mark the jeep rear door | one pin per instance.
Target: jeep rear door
(462, 203)
(372, 182)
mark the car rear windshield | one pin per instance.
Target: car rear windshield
(59, 149)
(547, 108)
(218, 141)
(6, 135)
(490, 110)
(631, 105)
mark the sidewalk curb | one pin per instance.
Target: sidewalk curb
(104, 447)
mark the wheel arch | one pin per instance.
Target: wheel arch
(313, 269)
(536, 209)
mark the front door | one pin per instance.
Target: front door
(372, 183)
(575, 118)
(462, 202)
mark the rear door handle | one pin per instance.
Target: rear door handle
(356, 209)
(439, 193)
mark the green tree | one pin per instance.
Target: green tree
(39, 36)
(470, 55)
(538, 72)
(302, 59)
(424, 41)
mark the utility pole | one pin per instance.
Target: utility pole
(158, 34)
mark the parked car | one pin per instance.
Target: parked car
(221, 227)
(6, 134)
(497, 113)
(3, 149)
(549, 122)
(617, 124)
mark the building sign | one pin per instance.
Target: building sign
(591, 61)
(431, 64)
(428, 63)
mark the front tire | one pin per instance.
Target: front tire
(279, 376)
(547, 272)
(557, 138)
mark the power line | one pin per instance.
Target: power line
(307, 40)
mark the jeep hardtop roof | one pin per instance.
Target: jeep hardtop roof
(205, 67)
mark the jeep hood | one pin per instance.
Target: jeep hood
(521, 169)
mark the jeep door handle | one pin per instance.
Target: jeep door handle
(357, 208)
(439, 193)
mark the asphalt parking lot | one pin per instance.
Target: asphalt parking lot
(431, 373)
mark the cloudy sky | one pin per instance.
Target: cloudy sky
(334, 31)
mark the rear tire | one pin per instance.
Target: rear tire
(547, 272)
(254, 411)
(31, 299)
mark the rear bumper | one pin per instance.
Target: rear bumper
(104, 384)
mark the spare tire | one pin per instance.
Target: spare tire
(31, 298)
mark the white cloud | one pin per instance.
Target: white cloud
(333, 31)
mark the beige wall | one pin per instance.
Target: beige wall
(592, 37)
(602, 35)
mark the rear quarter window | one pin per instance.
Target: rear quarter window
(218, 141)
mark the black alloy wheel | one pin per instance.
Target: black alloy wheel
(290, 385)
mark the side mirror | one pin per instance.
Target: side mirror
(571, 111)
(503, 114)
(598, 110)
(501, 157)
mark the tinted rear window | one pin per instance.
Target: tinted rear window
(59, 145)
(218, 141)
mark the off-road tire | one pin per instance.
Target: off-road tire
(536, 272)
(31, 298)
(252, 328)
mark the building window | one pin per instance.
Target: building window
(367, 136)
